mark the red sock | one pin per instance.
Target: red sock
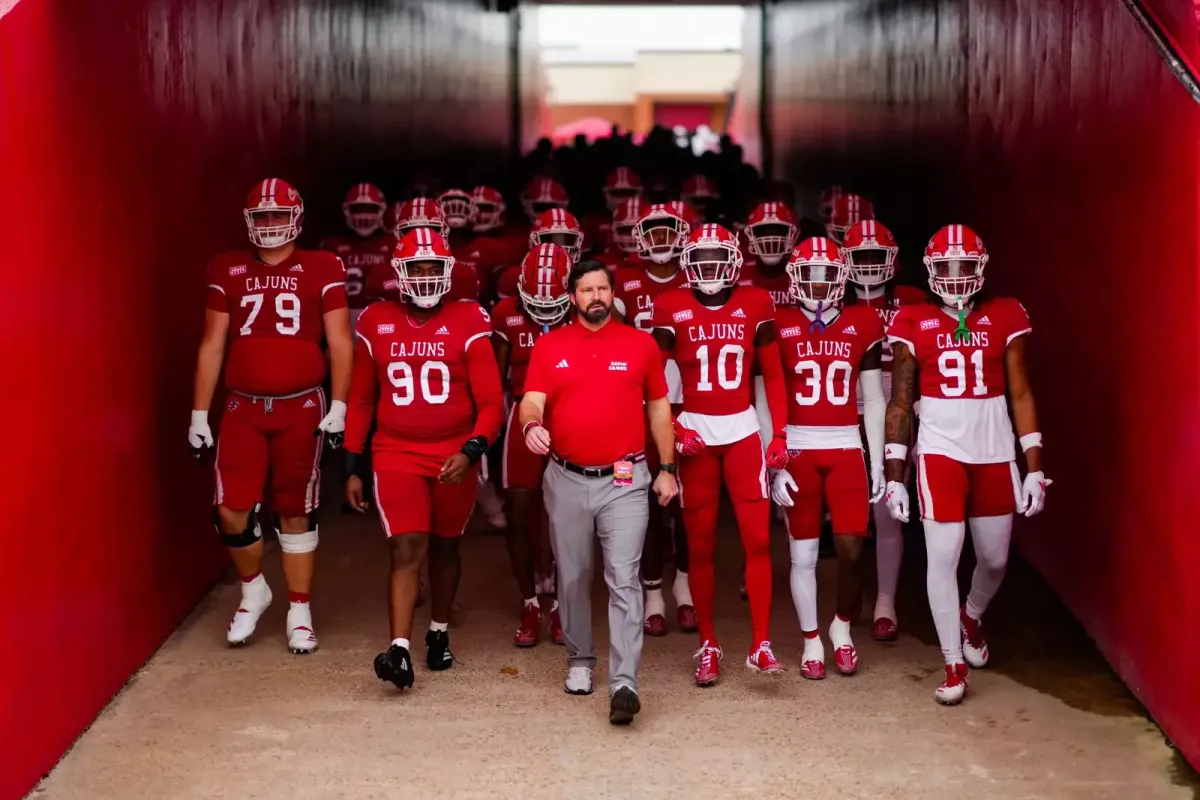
(754, 522)
(843, 619)
(248, 578)
(702, 540)
(297, 597)
(811, 634)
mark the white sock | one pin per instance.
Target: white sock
(532, 601)
(889, 552)
(990, 536)
(400, 643)
(439, 627)
(839, 633)
(814, 650)
(804, 581)
(654, 601)
(681, 589)
(943, 546)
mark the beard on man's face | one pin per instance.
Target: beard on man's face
(595, 311)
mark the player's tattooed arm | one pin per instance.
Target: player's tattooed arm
(898, 423)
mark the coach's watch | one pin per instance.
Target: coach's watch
(670, 469)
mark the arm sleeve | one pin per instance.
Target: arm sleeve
(874, 411)
(483, 376)
(772, 371)
(360, 406)
(654, 384)
(333, 289)
(215, 299)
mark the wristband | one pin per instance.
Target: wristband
(1030, 440)
(533, 423)
(354, 465)
(474, 449)
(895, 452)
(670, 469)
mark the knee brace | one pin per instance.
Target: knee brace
(298, 542)
(244, 539)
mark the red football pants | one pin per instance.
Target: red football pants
(742, 468)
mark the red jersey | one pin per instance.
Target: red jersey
(887, 307)
(438, 379)
(510, 323)
(635, 290)
(508, 282)
(362, 259)
(779, 287)
(714, 349)
(964, 413)
(276, 318)
(822, 369)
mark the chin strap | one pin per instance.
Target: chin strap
(818, 323)
(962, 333)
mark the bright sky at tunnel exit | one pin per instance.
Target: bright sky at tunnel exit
(598, 33)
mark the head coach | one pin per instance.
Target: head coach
(588, 385)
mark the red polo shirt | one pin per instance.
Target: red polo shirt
(595, 383)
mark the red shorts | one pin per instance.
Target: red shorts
(261, 436)
(833, 479)
(740, 465)
(951, 491)
(411, 503)
(520, 468)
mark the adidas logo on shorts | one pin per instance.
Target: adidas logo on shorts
(738, 314)
(443, 331)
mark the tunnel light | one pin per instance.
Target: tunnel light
(1167, 46)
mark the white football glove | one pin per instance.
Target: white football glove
(897, 500)
(782, 487)
(878, 483)
(1033, 493)
(199, 434)
(334, 424)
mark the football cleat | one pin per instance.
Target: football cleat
(655, 625)
(885, 630)
(438, 656)
(952, 690)
(528, 630)
(763, 659)
(975, 646)
(395, 667)
(845, 658)
(708, 663)
(812, 662)
(301, 638)
(555, 624)
(687, 619)
(245, 619)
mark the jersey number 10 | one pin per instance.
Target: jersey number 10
(727, 353)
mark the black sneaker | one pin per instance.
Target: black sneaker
(624, 704)
(395, 666)
(438, 657)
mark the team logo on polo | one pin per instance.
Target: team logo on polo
(618, 366)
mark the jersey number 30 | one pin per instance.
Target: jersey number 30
(401, 376)
(836, 384)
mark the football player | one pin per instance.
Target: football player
(558, 227)
(848, 211)
(270, 307)
(966, 352)
(700, 192)
(517, 323)
(660, 234)
(368, 247)
(422, 212)
(870, 251)
(623, 247)
(714, 330)
(424, 370)
(827, 347)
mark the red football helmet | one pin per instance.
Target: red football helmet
(955, 258)
(364, 208)
(711, 259)
(420, 212)
(829, 199)
(771, 232)
(487, 209)
(269, 203)
(848, 211)
(661, 232)
(700, 192)
(456, 208)
(422, 261)
(687, 211)
(625, 217)
(870, 251)
(818, 273)
(543, 194)
(543, 283)
(620, 185)
(558, 226)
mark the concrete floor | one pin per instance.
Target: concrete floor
(201, 720)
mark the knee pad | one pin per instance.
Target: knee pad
(244, 539)
(298, 542)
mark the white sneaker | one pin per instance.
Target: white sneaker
(256, 596)
(579, 680)
(301, 639)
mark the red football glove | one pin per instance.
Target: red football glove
(777, 454)
(687, 441)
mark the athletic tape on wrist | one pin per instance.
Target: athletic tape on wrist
(1030, 440)
(895, 452)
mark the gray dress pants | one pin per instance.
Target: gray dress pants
(579, 508)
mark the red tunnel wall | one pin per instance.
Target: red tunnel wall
(130, 131)
(1053, 128)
